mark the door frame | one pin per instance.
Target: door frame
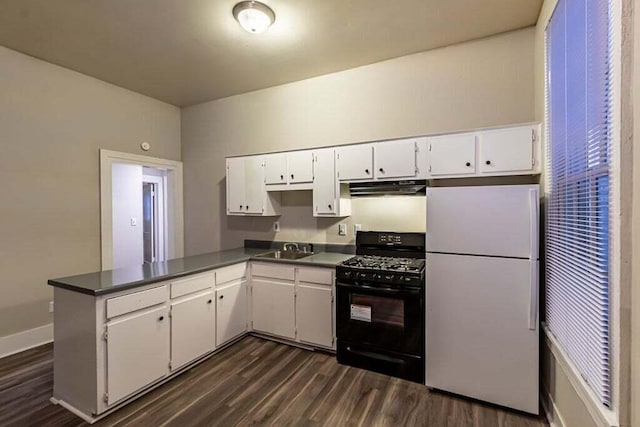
(174, 202)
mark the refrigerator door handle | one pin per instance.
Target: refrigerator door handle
(533, 297)
(533, 239)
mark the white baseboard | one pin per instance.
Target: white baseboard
(21, 341)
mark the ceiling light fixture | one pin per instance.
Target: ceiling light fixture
(253, 16)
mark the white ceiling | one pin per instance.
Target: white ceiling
(189, 51)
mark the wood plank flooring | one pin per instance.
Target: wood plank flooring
(254, 382)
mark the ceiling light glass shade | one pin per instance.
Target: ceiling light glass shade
(253, 16)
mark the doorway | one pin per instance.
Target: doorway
(141, 209)
(154, 214)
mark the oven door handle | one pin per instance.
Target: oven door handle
(391, 291)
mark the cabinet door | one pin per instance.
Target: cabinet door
(235, 185)
(324, 183)
(300, 166)
(137, 352)
(231, 311)
(254, 192)
(275, 169)
(395, 159)
(314, 314)
(452, 155)
(273, 305)
(192, 329)
(355, 162)
(507, 150)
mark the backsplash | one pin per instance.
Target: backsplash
(297, 223)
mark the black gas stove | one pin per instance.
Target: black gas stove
(380, 304)
(383, 269)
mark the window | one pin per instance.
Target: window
(578, 186)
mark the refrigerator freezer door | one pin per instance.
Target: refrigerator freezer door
(478, 341)
(493, 220)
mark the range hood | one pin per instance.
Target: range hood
(388, 188)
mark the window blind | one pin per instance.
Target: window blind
(579, 100)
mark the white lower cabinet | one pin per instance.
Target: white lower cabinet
(137, 351)
(314, 314)
(192, 328)
(294, 302)
(273, 307)
(110, 348)
(231, 311)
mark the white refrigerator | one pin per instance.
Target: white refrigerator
(482, 293)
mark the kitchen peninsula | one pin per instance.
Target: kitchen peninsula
(123, 332)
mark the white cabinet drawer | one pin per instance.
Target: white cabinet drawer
(273, 271)
(135, 301)
(232, 272)
(316, 275)
(191, 284)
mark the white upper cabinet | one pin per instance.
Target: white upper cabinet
(395, 159)
(507, 151)
(235, 185)
(452, 155)
(288, 171)
(494, 152)
(254, 185)
(275, 168)
(300, 166)
(355, 162)
(254, 182)
(328, 197)
(246, 191)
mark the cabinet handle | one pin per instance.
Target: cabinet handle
(240, 206)
(209, 302)
(468, 163)
(329, 206)
(381, 170)
(367, 171)
(291, 176)
(281, 177)
(161, 318)
(488, 162)
(221, 296)
(247, 207)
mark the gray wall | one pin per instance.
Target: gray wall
(53, 121)
(486, 82)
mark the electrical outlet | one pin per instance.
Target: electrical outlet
(342, 229)
(356, 228)
(50, 306)
(276, 226)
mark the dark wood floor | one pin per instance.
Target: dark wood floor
(254, 382)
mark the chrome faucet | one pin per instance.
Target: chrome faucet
(288, 246)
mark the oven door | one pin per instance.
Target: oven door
(390, 319)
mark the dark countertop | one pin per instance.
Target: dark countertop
(109, 281)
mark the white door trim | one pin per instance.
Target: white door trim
(175, 218)
(161, 222)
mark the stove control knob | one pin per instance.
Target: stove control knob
(346, 274)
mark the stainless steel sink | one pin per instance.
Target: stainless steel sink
(286, 255)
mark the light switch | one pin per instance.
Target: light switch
(342, 229)
(356, 228)
(134, 221)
